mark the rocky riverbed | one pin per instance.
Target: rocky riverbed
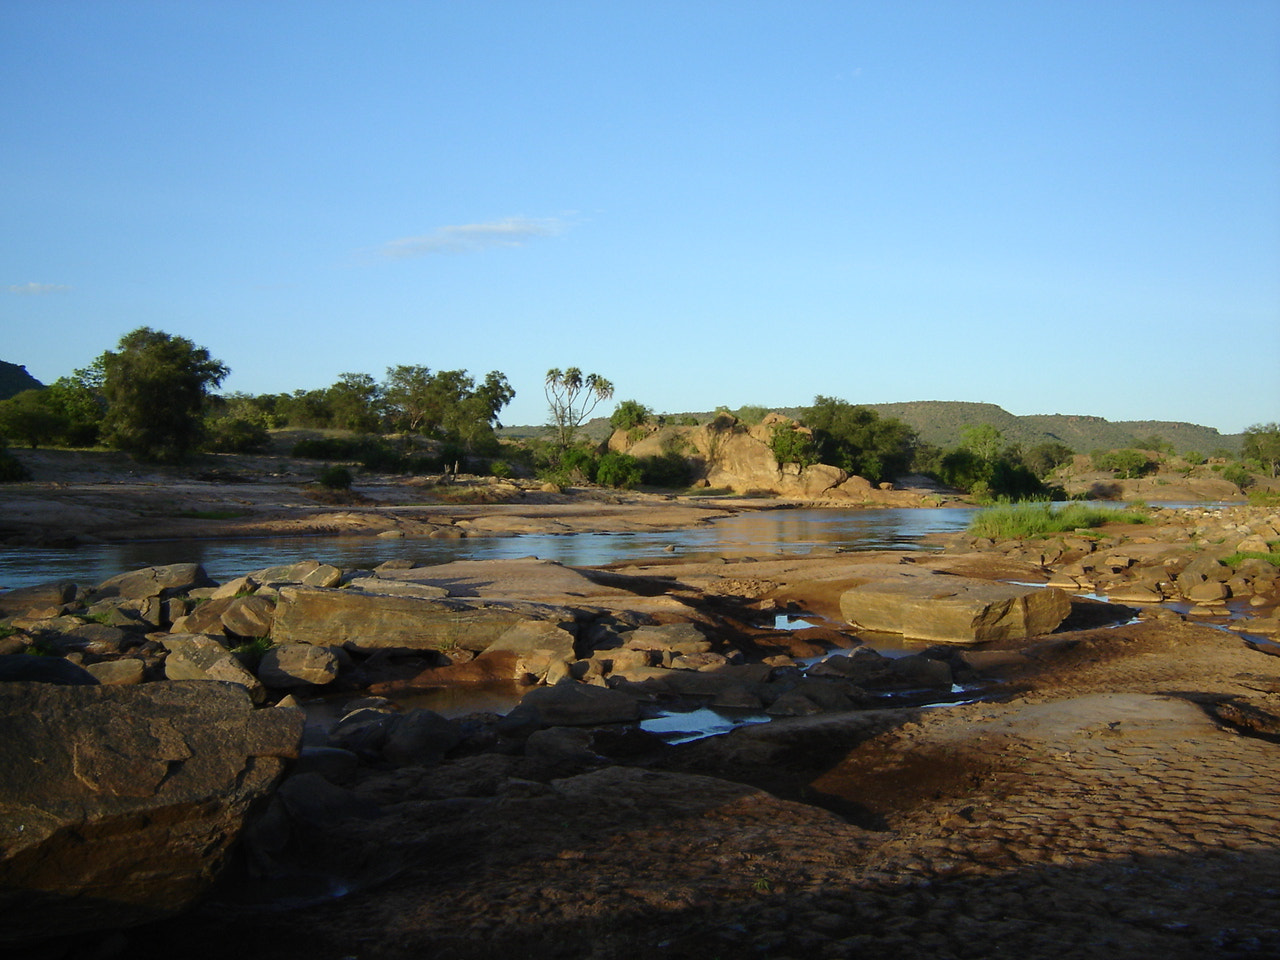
(1111, 790)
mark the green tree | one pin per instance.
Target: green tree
(619, 470)
(571, 398)
(790, 444)
(859, 440)
(80, 401)
(630, 414)
(31, 418)
(983, 439)
(1262, 443)
(1044, 458)
(157, 388)
(355, 403)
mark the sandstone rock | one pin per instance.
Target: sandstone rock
(248, 617)
(240, 586)
(21, 667)
(1210, 591)
(119, 673)
(955, 609)
(312, 573)
(161, 581)
(367, 622)
(420, 737)
(205, 618)
(1253, 544)
(288, 665)
(538, 646)
(18, 602)
(675, 638)
(194, 656)
(120, 805)
(397, 588)
(571, 704)
(1133, 593)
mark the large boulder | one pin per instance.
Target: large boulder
(363, 621)
(954, 609)
(194, 656)
(161, 581)
(40, 596)
(298, 665)
(120, 805)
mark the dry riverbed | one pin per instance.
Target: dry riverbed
(1117, 792)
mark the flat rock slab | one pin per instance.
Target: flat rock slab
(120, 805)
(365, 621)
(955, 609)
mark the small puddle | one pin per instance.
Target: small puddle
(684, 726)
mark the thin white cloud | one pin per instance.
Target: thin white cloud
(37, 289)
(470, 237)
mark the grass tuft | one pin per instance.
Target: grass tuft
(1028, 520)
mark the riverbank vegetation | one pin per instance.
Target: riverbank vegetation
(1016, 521)
(153, 398)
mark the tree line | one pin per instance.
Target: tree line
(153, 397)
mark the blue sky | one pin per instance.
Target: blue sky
(1057, 207)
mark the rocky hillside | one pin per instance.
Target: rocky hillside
(14, 379)
(940, 422)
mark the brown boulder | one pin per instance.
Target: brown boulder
(120, 805)
(955, 609)
(160, 581)
(364, 621)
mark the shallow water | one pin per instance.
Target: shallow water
(757, 532)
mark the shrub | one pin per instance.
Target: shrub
(1237, 474)
(618, 470)
(629, 415)
(11, 468)
(335, 478)
(234, 435)
(1125, 464)
(670, 469)
(790, 445)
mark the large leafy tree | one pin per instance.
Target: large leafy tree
(355, 403)
(858, 439)
(1262, 443)
(447, 404)
(30, 418)
(571, 398)
(157, 388)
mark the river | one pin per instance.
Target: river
(751, 533)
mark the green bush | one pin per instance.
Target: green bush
(1237, 474)
(1125, 464)
(618, 470)
(234, 435)
(790, 445)
(335, 478)
(670, 469)
(629, 415)
(11, 468)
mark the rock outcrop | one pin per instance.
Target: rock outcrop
(120, 805)
(955, 609)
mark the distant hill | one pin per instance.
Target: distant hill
(14, 379)
(939, 422)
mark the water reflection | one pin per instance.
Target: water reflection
(757, 532)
